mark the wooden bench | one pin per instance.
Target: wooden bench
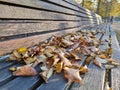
(24, 23)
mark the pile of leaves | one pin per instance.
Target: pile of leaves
(63, 54)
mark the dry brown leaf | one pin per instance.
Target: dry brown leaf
(88, 60)
(102, 56)
(75, 55)
(39, 59)
(30, 60)
(83, 69)
(111, 60)
(46, 74)
(97, 63)
(25, 71)
(58, 67)
(72, 75)
(56, 59)
(12, 57)
(64, 59)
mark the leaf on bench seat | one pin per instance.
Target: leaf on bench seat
(25, 71)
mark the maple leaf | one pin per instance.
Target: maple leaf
(72, 75)
(25, 71)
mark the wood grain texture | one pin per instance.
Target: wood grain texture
(8, 29)
(6, 74)
(37, 4)
(115, 72)
(21, 83)
(8, 46)
(94, 79)
(57, 81)
(25, 13)
(63, 3)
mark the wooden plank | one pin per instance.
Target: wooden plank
(5, 64)
(8, 29)
(6, 74)
(115, 72)
(43, 5)
(57, 81)
(79, 6)
(8, 11)
(93, 80)
(63, 3)
(21, 83)
(8, 46)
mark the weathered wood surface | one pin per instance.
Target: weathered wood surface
(37, 4)
(94, 79)
(115, 72)
(27, 41)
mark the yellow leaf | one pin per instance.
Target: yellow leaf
(12, 69)
(83, 69)
(58, 67)
(22, 50)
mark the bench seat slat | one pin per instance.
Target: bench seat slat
(115, 72)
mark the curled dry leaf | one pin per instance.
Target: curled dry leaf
(111, 60)
(30, 60)
(58, 67)
(12, 57)
(107, 87)
(102, 56)
(97, 63)
(75, 55)
(39, 59)
(56, 59)
(72, 75)
(66, 62)
(83, 69)
(46, 74)
(25, 71)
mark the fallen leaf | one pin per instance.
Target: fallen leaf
(83, 69)
(22, 50)
(12, 69)
(17, 55)
(46, 74)
(75, 55)
(39, 59)
(56, 59)
(111, 60)
(12, 57)
(72, 75)
(30, 60)
(97, 63)
(25, 71)
(58, 67)
(66, 62)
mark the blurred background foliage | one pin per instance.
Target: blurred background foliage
(105, 8)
